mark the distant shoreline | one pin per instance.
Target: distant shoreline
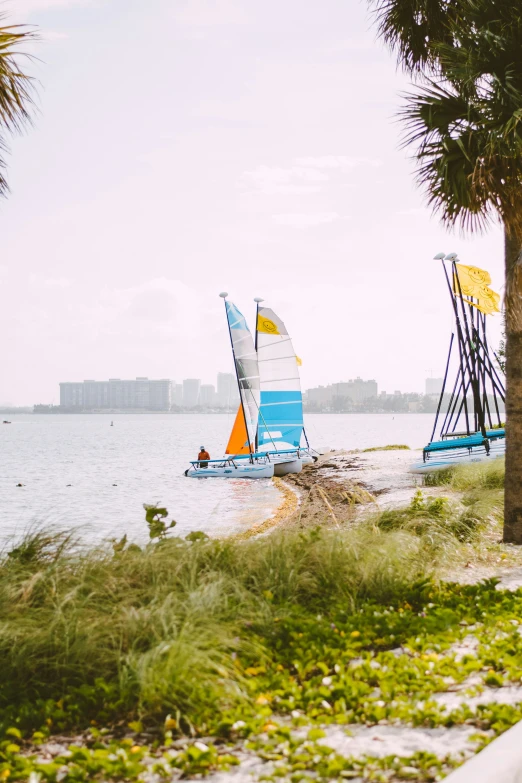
(201, 413)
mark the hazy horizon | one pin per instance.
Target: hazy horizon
(186, 148)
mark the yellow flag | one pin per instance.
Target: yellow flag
(474, 282)
(266, 325)
(487, 304)
(471, 279)
(299, 361)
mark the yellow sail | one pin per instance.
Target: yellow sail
(474, 282)
(238, 441)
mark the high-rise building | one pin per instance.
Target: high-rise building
(191, 389)
(434, 386)
(356, 390)
(160, 395)
(227, 394)
(341, 395)
(207, 394)
(116, 394)
(177, 394)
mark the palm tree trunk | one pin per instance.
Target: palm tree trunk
(513, 308)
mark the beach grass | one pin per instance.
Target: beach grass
(158, 629)
(444, 519)
(392, 447)
(235, 638)
(471, 476)
(147, 631)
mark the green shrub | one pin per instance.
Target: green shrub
(392, 447)
(478, 475)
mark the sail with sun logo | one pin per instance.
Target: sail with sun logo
(471, 428)
(281, 411)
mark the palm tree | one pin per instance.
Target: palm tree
(16, 89)
(465, 120)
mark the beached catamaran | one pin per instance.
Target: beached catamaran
(471, 430)
(245, 457)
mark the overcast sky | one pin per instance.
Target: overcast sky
(186, 147)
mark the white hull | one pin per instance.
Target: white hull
(232, 471)
(449, 459)
(290, 466)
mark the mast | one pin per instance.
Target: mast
(257, 300)
(224, 295)
(443, 388)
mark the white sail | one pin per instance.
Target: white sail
(247, 372)
(281, 412)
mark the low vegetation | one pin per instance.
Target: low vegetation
(393, 447)
(248, 641)
(473, 476)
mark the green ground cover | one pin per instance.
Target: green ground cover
(392, 447)
(249, 640)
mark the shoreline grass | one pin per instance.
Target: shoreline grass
(227, 638)
(392, 447)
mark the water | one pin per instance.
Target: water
(114, 470)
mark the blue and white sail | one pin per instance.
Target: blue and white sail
(243, 436)
(280, 423)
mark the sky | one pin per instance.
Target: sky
(186, 147)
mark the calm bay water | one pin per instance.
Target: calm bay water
(114, 470)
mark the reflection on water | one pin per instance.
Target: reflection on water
(112, 471)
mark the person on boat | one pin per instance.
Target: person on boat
(203, 455)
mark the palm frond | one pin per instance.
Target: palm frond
(16, 88)
(468, 163)
(409, 27)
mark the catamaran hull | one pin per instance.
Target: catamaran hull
(443, 461)
(291, 466)
(240, 472)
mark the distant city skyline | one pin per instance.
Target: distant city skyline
(225, 388)
(166, 394)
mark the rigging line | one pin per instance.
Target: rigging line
(443, 387)
(454, 407)
(465, 392)
(450, 402)
(240, 321)
(451, 429)
(286, 402)
(277, 358)
(276, 342)
(242, 339)
(277, 380)
(493, 369)
(486, 365)
(483, 364)
(264, 422)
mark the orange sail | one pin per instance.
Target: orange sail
(238, 441)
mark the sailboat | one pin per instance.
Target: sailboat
(471, 429)
(241, 459)
(280, 427)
